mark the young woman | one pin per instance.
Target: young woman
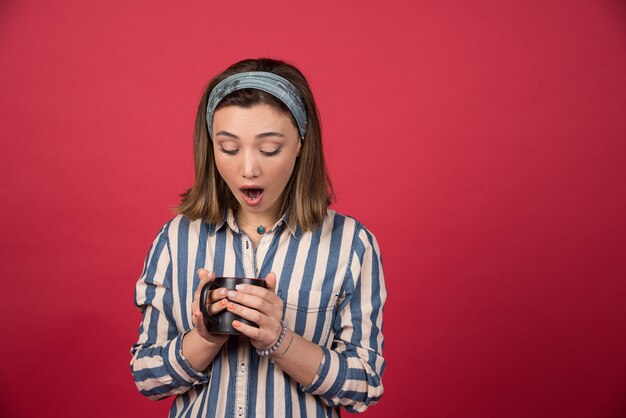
(259, 208)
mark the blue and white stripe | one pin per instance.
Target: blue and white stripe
(331, 282)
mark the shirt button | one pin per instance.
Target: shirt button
(242, 368)
(240, 411)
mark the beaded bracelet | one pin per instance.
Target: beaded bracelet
(273, 348)
(273, 359)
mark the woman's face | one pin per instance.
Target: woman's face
(255, 152)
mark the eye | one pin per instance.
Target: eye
(271, 153)
(229, 151)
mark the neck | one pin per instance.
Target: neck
(259, 227)
(255, 220)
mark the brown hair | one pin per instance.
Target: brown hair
(309, 191)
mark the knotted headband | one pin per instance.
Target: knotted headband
(273, 84)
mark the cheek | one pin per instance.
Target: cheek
(223, 168)
(284, 171)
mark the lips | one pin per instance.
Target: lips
(252, 195)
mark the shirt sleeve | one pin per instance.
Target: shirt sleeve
(158, 365)
(351, 370)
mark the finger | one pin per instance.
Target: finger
(261, 338)
(273, 308)
(217, 307)
(249, 331)
(199, 324)
(250, 301)
(216, 302)
(195, 304)
(270, 280)
(258, 291)
(205, 277)
(217, 294)
(268, 303)
(198, 320)
(214, 295)
(247, 313)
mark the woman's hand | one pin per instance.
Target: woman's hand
(261, 306)
(217, 303)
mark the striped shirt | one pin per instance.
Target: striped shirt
(331, 283)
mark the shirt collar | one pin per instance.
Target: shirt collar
(229, 219)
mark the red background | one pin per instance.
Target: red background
(483, 142)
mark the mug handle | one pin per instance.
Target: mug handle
(209, 320)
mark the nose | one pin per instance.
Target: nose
(250, 165)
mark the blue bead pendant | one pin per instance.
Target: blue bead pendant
(260, 230)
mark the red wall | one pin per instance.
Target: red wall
(483, 142)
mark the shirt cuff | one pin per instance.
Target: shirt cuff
(180, 369)
(330, 376)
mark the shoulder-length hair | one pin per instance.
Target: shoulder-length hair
(309, 191)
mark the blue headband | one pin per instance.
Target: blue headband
(270, 83)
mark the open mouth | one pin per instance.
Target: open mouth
(252, 195)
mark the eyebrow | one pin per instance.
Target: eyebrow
(267, 134)
(259, 136)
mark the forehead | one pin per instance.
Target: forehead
(253, 120)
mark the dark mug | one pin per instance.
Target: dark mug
(222, 323)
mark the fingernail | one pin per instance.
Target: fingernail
(232, 294)
(222, 292)
(224, 302)
(240, 287)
